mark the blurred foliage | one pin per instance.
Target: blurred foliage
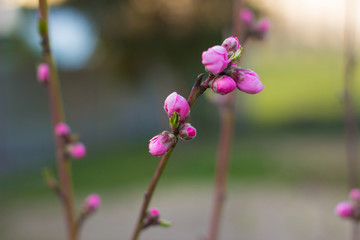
(283, 158)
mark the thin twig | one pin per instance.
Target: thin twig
(57, 115)
(81, 219)
(149, 193)
(198, 89)
(349, 114)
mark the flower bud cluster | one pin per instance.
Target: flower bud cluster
(350, 209)
(73, 149)
(178, 110)
(258, 29)
(221, 62)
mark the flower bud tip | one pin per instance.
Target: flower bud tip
(248, 81)
(161, 143)
(43, 73)
(246, 15)
(264, 25)
(355, 194)
(223, 85)
(177, 103)
(344, 209)
(187, 131)
(215, 59)
(92, 202)
(77, 150)
(154, 212)
(231, 44)
(62, 129)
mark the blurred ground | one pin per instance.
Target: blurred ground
(253, 211)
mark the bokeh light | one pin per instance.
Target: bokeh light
(72, 35)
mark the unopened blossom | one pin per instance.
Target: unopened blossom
(246, 15)
(264, 25)
(76, 150)
(215, 59)
(154, 212)
(223, 85)
(43, 73)
(62, 129)
(248, 81)
(177, 103)
(344, 209)
(152, 217)
(187, 131)
(231, 44)
(355, 194)
(161, 143)
(92, 202)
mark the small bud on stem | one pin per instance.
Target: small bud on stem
(175, 103)
(43, 73)
(187, 132)
(161, 143)
(76, 150)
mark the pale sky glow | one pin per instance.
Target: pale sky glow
(29, 3)
(310, 21)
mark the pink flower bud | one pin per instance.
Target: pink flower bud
(154, 212)
(223, 85)
(231, 44)
(177, 103)
(43, 73)
(215, 59)
(160, 144)
(92, 202)
(187, 132)
(246, 15)
(355, 194)
(263, 25)
(76, 150)
(248, 81)
(344, 209)
(62, 130)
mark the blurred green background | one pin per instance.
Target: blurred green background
(118, 60)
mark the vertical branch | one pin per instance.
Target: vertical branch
(57, 115)
(349, 114)
(222, 163)
(227, 119)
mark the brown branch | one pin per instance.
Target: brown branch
(227, 118)
(199, 88)
(57, 115)
(149, 193)
(227, 122)
(349, 114)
